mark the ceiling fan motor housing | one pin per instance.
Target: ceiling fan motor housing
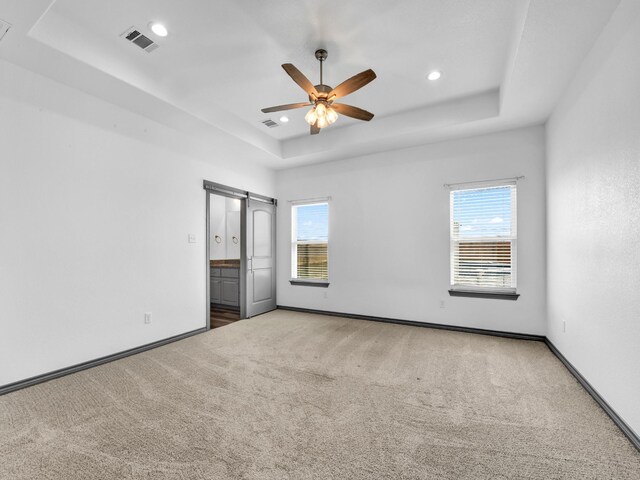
(323, 90)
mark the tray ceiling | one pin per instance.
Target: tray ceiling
(504, 63)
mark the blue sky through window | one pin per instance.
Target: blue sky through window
(482, 212)
(312, 222)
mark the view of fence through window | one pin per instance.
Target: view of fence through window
(483, 237)
(311, 236)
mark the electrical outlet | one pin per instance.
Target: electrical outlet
(441, 303)
(326, 294)
(192, 238)
(147, 317)
(564, 326)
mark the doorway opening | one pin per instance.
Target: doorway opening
(225, 235)
(241, 280)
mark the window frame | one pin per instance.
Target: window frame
(295, 280)
(458, 289)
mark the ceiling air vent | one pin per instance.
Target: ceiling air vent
(4, 28)
(134, 36)
(270, 123)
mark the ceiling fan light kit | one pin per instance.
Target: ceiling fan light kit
(321, 115)
(324, 111)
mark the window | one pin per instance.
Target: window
(309, 242)
(483, 238)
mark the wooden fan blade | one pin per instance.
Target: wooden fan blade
(352, 84)
(314, 130)
(288, 106)
(353, 112)
(300, 79)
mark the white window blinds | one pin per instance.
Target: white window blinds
(483, 237)
(310, 241)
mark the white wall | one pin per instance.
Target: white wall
(217, 227)
(96, 205)
(389, 231)
(233, 228)
(224, 222)
(593, 198)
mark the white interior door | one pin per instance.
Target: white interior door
(261, 253)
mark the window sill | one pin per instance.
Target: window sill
(494, 295)
(309, 283)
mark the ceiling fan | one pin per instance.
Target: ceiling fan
(322, 97)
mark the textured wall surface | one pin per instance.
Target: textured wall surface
(389, 231)
(96, 205)
(593, 171)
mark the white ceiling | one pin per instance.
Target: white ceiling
(504, 64)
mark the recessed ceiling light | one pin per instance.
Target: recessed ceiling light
(284, 119)
(159, 29)
(435, 75)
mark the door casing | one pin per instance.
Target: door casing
(212, 188)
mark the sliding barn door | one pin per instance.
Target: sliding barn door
(261, 255)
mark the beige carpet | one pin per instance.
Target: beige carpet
(296, 396)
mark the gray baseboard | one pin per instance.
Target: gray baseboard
(441, 326)
(626, 429)
(12, 387)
